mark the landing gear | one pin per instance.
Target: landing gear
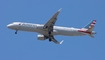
(49, 36)
(49, 32)
(16, 32)
(49, 39)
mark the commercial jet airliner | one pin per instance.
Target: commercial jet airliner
(48, 30)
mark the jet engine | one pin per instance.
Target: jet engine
(41, 37)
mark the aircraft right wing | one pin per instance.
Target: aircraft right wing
(55, 41)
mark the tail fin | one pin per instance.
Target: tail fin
(90, 26)
(89, 29)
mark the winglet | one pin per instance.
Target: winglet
(60, 9)
(61, 42)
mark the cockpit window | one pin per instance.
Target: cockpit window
(16, 23)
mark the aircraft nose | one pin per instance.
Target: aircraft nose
(9, 25)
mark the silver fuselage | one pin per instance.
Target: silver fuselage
(57, 30)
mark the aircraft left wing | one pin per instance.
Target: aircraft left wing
(51, 22)
(49, 27)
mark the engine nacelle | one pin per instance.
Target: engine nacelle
(41, 37)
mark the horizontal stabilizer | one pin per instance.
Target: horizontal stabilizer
(91, 36)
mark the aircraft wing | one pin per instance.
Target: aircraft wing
(51, 22)
(55, 41)
(49, 27)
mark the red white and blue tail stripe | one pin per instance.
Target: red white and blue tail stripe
(88, 28)
(91, 24)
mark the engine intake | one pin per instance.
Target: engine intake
(41, 37)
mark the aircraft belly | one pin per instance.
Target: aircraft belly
(44, 32)
(69, 33)
(31, 29)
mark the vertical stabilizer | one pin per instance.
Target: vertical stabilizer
(88, 29)
(90, 26)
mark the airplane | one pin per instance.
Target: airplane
(48, 30)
